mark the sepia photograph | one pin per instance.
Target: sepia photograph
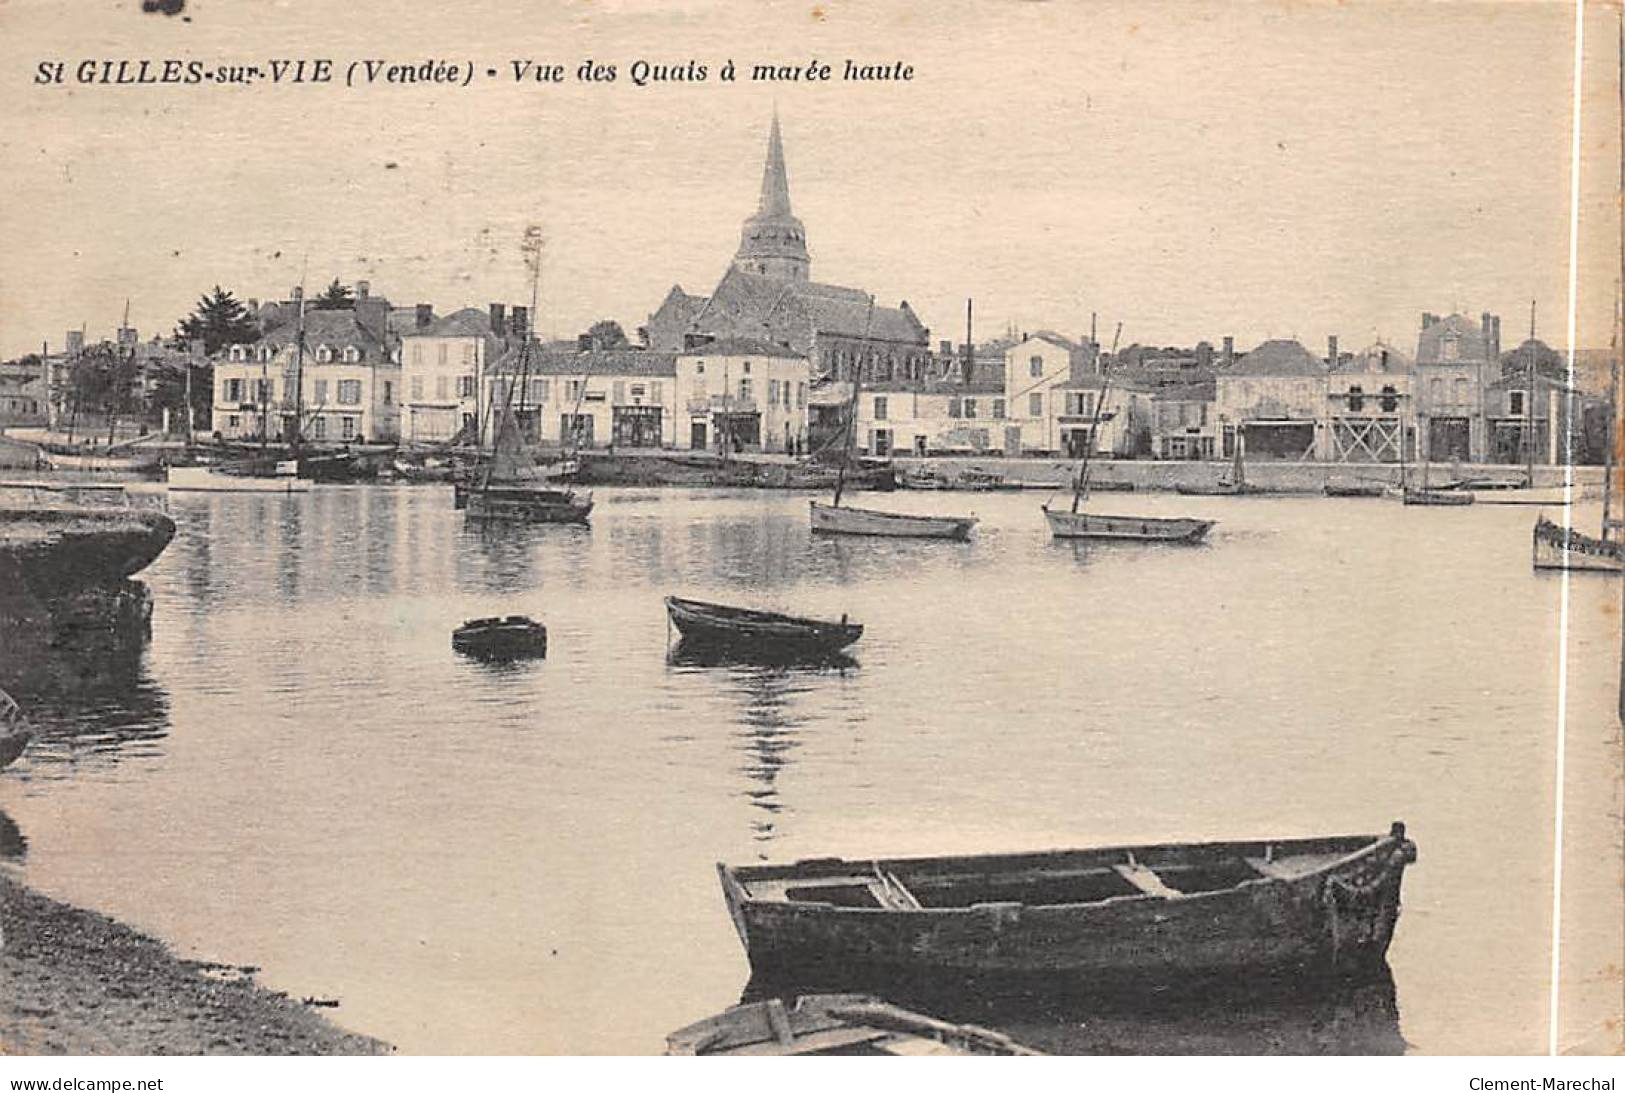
(981, 528)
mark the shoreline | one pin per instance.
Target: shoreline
(75, 982)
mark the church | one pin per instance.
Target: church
(768, 294)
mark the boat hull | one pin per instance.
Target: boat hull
(527, 506)
(1136, 529)
(765, 632)
(1340, 916)
(1437, 498)
(844, 520)
(210, 480)
(1355, 489)
(1560, 548)
(500, 639)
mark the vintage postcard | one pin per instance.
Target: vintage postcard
(958, 528)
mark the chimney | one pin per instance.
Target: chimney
(1204, 354)
(1228, 356)
(297, 294)
(945, 348)
(253, 305)
(1331, 350)
(362, 288)
(499, 321)
(1484, 332)
(584, 342)
(422, 316)
(1428, 319)
(75, 343)
(520, 326)
(1495, 337)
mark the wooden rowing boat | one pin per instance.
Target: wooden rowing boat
(846, 520)
(1437, 498)
(834, 1024)
(1559, 547)
(765, 631)
(505, 638)
(1147, 915)
(1138, 529)
(15, 732)
(1355, 489)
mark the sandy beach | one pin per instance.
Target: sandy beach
(73, 982)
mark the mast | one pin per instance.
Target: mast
(1529, 404)
(299, 366)
(852, 407)
(1080, 485)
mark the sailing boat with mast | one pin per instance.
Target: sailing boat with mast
(1561, 547)
(838, 519)
(510, 487)
(1074, 524)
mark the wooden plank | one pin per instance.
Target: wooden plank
(1146, 881)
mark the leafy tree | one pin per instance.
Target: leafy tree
(607, 334)
(219, 319)
(335, 297)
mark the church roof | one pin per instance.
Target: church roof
(775, 200)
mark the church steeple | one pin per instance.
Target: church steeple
(773, 242)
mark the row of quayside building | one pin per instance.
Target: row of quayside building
(767, 360)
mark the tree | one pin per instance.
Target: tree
(219, 319)
(607, 334)
(335, 297)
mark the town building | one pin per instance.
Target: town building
(441, 368)
(1456, 360)
(1370, 413)
(586, 397)
(1184, 424)
(743, 394)
(1272, 400)
(24, 398)
(344, 386)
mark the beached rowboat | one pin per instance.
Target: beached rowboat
(1141, 529)
(718, 624)
(834, 1024)
(846, 520)
(1137, 914)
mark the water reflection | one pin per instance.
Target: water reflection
(80, 674)
(1356, 1015)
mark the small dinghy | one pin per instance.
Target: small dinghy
(507, 638)
(1146, 916)
(834, 1024)
(15, 732)
(759, 631)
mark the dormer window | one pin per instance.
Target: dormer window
(323, 354)
(351, 354)
(237, 353)
(1449, 348)
(265, 352)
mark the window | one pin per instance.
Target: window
(784, 389)
(318, 427)
(417, 355)
(640, 391)
(953, 407)
(744, 390)
(1080, 403)
(880, 408)
(801, 395)
(346, 423)
(349, 395)
(441, 387)
(441, 352)
(970, 407)
(1449, 349)
(772, 392)
(352, 354)
(1035, 405)
(323, 354)
(656, 390)
(1356, 398)
(417, 387)
(1436, 390)
(1035, 366)
(1461, 390)
(465, 386)
(468, 352)
(265, 352)
(699, 368)
(747, 368)
(539, 390)
(618, 389)
(232, 421)
(232, 391)
(321, 392)
(572, 390)
(264, 392)
(1389, 401)
(389, 393)
(236, 352)
(998, 408)
(1516, 402)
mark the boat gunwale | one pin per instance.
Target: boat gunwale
(750, 616)
(739, 899)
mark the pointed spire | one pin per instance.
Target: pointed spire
(775, 181)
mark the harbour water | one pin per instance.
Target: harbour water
(298, 773)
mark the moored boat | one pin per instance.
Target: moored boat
(535, 504)
(766, 631)
(1151, 915)
(1355, 489)
(847, 520)
(56, 547)
(1559, 547)
(834, 1024)
(225, 479)
(501, 638)
(1440, 498)
(15, 732)
(924, 478)
(978, 479)
(1141, 529)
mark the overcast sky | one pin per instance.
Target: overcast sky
(1191, 170)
